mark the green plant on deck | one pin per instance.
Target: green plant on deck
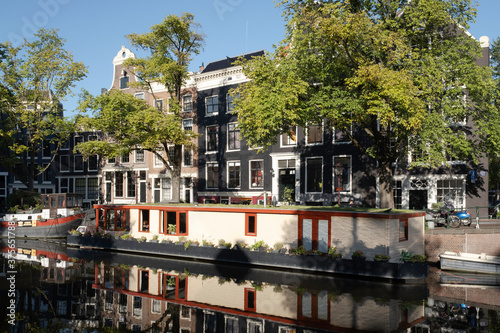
(358, 254)
(126, 236)
(381, 257)
(142, 239)
(301, 250)
(288, 195)
(332, 251)
(278, 246)
(258, 245)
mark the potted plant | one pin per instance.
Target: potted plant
(358, 255)
(332, 251)
(382, 257)
(154, 239)
(259, 246)
(278, 248)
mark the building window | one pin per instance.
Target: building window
(187, 157)
(345, 181)
(139, 95)
(212, 105)
(314, 174)
(250, 224)
(403, 230)
(80, 186)
(130, 184)
(118, 184)
(234, 174)
(289, 139)
(124, 81)
(158, 162)
(46, 151)
(340, 137)
(187, 103)
(233, 136)
(230, 102)
(451, 190)
(93, 188)
(125, 158)
(314, 134)
(78, 139)
(139, 156)
(256, 173)
(398, 194)
(212, 138)
(111, 160)
(64, 163)
(159, 104)
(212, 175)
(93, 163)
(187, 124)
(78, 164)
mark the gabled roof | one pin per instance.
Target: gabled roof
(228, 62)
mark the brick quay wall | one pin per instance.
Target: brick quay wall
(486, 239)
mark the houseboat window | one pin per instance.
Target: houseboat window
(403, 230)
(143, 281)
(250, 297)
(251, 224)
(144, 216)
(170, 222)
(307, 234)
(53, 202)
(182, 223)
(181, 290)
(110, 219)
(45, 202)
(60, 201)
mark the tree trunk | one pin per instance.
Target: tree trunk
(386, 185)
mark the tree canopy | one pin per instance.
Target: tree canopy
(404, 73)
(129, 122)
(35, 79)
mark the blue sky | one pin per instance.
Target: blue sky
(95, 29)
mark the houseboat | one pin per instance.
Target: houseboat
(60, 213)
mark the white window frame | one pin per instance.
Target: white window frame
(192, 106)
(250, 184)
(208, 114)
(206, 175)
(294, 144)
(143, 156)
(75, 164)
(322, 175)
(187, 120)
(229, 102)
(160, 100)
(239, 136)
(322, 135)
(334, 177)
(192, 156)
(340, 142)
(237, 163)
(61, 163)
(207, 151)
(139, 95)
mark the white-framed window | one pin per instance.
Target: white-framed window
(125, 158)
(451, 190)
(256, 173)
(230, 102)
(342, 182)
(187, 124)
(139, 156)
(314, 174)
(233, 174)
(339, 137)
(212, 175)
(155, 306)
(212, 105)
(78, 163)
(233, 137)
(314, 134)
(289, 139)
(212, 138)
(158, 163)
(159, 104)
(139, 95)
(187, 103)
(254, 326)
(64, 163)
(81, 186)
(187, 156)
(231, 324)
(64, 185)
(93, 162)
(78, 139)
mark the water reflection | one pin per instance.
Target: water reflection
(87, 290)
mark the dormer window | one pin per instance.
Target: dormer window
(124, 80)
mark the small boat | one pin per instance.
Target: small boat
(61, 212)
(469, 262)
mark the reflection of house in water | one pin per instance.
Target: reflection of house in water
(49, 285)
(138, 298)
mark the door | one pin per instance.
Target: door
(286, 180)
(142, 192)
(418, 199)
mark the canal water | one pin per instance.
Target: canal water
(47, 287)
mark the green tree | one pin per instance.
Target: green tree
(494, 169)
(130, 123)
(34, 80)
(402, 72)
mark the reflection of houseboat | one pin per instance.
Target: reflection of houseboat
(60, 213)
(138, 297)
(314, 232)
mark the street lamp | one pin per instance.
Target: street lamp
(339, 171)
